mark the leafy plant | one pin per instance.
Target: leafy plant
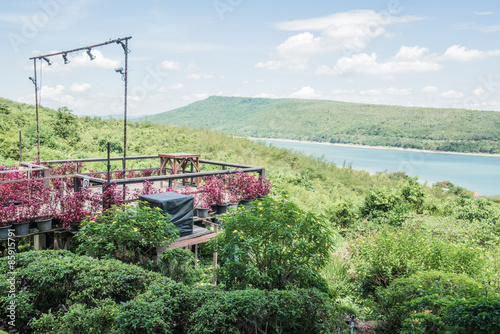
(273, 245)
(126, 232)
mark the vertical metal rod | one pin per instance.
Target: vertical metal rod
(36, 108)
(20, 147)
(109, 164)
(125, 109)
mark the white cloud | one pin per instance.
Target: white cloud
(170, 65)
(306, 92)
(461, 53)
(345, 31)
(196, 74)
(267, 96)
(83, 60)
(367, 65)
(480, 91)
(77, 87)
(484, 13)
(451, 94)
(176, 86)
(170, 88)
(411, 52)
(430, 90)
(195, 97)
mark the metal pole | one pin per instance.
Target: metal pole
(20, 148)
(109, 164)
(36, 108)
(125, 109)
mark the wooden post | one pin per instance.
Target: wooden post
(214, 282)
(46, 174)
(40, 241)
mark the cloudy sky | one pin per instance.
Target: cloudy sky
(406, 52)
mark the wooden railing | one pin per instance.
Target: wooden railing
(79, 177)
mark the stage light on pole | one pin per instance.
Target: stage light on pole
(125, 49)
(47, 60)
(33, 81)
(120, 70)
(65, 58)
(91, 56)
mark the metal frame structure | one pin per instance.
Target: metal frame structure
(124, 72)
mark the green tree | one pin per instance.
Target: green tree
(273, 245)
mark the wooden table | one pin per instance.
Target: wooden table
(179, 162)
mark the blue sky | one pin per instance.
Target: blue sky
(406, 52)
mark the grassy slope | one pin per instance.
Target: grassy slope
(341, 122)
(312, 182)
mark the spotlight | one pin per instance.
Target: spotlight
(65, 58)
(123, 46)
(33, 81)
(47, 60)
(119, 70)
(91, 56)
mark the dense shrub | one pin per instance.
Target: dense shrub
(427, 302)
(129, 233)
(389, 253)
(60, 292)
(273, 245)
(178, 265)
(45, 280)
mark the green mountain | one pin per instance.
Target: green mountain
(439, 129)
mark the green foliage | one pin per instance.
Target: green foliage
(45, 280)
(126, 232)
(343, 214)
(275, 311)
(387, 254)
(435, 302)
(477, 209)
(79, 294)
(476, 315)
(273, 245)
(440, 129)
(79, 319)
(178, 265)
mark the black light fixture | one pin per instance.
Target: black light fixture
(123, 46)
(47, 60)
(33, 81)
(91, 56)
(65, 58)
(121, 71)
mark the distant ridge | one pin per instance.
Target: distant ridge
(441, 129)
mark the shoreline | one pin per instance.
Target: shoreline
(495, 155)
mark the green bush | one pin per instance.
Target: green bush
(79, 319)
(477, 315)
(273, 245)
(260, 311)
(128, 233)
(389, 253)
(425, 297)
(178, 265)
(47, 279)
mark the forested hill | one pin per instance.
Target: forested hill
(457, 130)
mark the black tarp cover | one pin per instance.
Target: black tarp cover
(178, 206)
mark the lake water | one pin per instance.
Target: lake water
(477, 173)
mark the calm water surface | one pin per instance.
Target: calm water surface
(477, 173)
